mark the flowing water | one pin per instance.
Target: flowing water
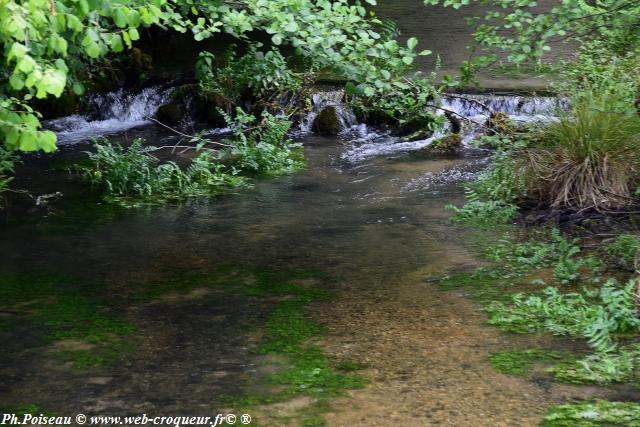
(368, 212)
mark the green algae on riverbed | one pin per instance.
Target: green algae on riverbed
(84, 327)
(519, 362)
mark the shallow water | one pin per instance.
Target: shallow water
(376, 226)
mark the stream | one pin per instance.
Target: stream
(368, 213)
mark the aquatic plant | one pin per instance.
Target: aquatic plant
(492, 198)
(594, 414)
(132, 175)
(625, 249)
(263, 148)
(597, 315)
(621, 365)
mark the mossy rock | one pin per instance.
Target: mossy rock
(170, 114)
(378, 118)
(418, 135)
(67, 104)
(206, 106)
(328, 122)
(499, 123)
(449, 144)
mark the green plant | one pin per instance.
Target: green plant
(266, 76)
(601, 368)
(263, 148)
(524, 32)
(625, 249)
(133, 175)
(596, 315)
(7, 164)
(492, 198)
(408, 99)
(49, 46)
(594, 414)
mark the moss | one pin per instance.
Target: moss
(327, 122)
(448, 144)
(519, 362)
(484, 285)
(593, 414)
(244, 280)
(26, 408)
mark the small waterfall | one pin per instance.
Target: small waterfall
(328, 98)
(109, 113)
(475, 108)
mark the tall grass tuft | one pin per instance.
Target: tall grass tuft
(590, 158)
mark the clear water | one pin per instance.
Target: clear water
(369, 212)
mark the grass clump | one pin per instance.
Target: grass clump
(594, 414)
(589, 158)
(518, 362)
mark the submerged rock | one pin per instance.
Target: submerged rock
(328, 121)
(449, 144)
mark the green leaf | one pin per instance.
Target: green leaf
(133, 34)
(78, 88)
(47, 141)
(120, 17)
(276, 39)
(412, 43)
(116, 43)
(16, 81)
(28, 141)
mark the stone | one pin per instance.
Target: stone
(170, 114)
(328, 121)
